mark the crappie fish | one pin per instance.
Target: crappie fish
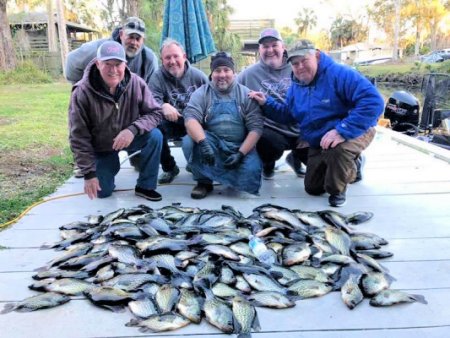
(190, 306)
(143, 307)
(270, 299)
(165, 322)
(246, 317)
(392, 297)
(351, 294)
(38, 302)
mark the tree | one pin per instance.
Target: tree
(7, 53)
(62, 33)
(305, 20)
(218, 12)
(346, 31)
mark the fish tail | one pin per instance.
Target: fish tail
(419, 299)
(244, 335)
(8, 308)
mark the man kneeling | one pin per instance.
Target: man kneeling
(223, 126)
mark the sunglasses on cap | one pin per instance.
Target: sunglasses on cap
(135, 25)
(221, 55)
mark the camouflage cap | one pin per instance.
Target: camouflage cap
(300, 48)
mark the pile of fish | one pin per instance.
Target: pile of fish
(177, 265)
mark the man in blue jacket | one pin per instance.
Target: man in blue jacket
(336, 109)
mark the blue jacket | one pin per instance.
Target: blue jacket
(338, 98)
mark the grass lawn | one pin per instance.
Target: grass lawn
(34, 152)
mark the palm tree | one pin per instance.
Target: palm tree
(305, 20)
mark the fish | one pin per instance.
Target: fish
(38, 302)
(68, 286)
(132, 281)
(246, 317)
(296, 253)
(270, 299)
(219, 314)
(309, 288)
(351, 294)
(190, 306)
(374, 282)
(263, 283)
(224, 291)
(339, 240)
(160, 323)
(166, 298)
(143, 307)
(392, 297)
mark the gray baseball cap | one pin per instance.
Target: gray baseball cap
(134, 25)
(270, 33)
(300, 48)
(111, 50)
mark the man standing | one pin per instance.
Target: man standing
(112, 109)
(223, 126)
(140, 59)
(336, 108)
(272, 76)
(172, 86)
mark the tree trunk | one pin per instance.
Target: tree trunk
(7, 53)
(417, 45)
(51, 28)
(396, 30)
(62, 32)
(133, 8)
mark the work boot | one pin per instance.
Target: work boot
(168, 176)
(337, 200)
(296, 165)
(268, 171)
(151, 195)
(360, 163)
(201, 190)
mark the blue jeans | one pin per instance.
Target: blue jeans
(108, 164)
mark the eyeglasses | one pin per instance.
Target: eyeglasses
(220, 54)
(135, 25)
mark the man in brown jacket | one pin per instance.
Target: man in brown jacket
(112, 109)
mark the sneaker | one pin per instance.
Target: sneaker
(360, 163)
(151, 195)
(268, 171)
(135, 161)
(189, 169)
(337, 200)
(168, 176)
(201, 190)
(77, 172)
(296, 165)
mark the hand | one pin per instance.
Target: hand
(207, 152)
(123, 140)
(170, 113)
(258, 97)
(234, 160)
(331, 139)
(91, 186)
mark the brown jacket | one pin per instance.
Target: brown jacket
(95, 118)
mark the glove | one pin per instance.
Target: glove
(206, 152)
(234, 160)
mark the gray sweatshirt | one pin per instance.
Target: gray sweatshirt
(144, 64)
(273, 82)
(202, 98)
(166, 88)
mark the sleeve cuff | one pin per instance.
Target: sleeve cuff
(90, 175)
(133, 129)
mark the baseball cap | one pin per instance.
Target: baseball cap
(110, 50)
(269, 33)
(300, 48)
(134, 25)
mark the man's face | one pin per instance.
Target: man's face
(111, 71)
(222, 77)
(132, 43)
(305, 67)
(271, 52)
(173, 60)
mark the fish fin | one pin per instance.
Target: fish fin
(255, 325)
(114, 308)
(8, 308)
(42, 268)
(244, 335)
(418, 298)
(133, 322)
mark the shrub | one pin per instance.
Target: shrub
(26, 72)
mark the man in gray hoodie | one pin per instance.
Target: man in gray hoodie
(272, 76)
(172, 86)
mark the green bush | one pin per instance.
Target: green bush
(26, 72)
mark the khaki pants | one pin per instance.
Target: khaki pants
(332, 169)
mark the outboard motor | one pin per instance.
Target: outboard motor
(402, 109)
